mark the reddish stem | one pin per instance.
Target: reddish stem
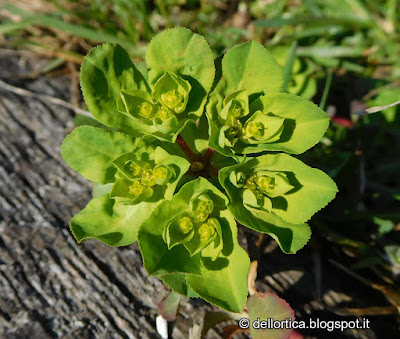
(207, 156)
(213, 171)
(186, 149)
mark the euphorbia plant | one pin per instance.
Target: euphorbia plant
(157, 178)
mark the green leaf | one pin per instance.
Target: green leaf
(248, 71)
(178, 164)
(124, 188)
(99, 190)
(196, 135)
(84, 120)
(290, 237)
(157, 258)
(262, 128)
(175, 234)
(109, 221)
(147, 174)
(169, 306)
(106, 71)
(197, 244)
(223, 282)
(90, 151)
(294, 183)
(136, 104)
(304, 125)
(251, 67)
(289, 68)
(187, 55)
(177, 282)
(172, 92)
(268, 306)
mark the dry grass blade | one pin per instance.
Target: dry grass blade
(378, 310)
(251, 277)
(43, 97)
(390, 292)
(376, 109)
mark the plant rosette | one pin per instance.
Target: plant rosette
(276, 191)
(191, 242)
(158, 101)
(145, 188)
(131, 178)
(247, 114)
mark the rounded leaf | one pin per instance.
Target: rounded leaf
(187, 55)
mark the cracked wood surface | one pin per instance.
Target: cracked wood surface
(50, 287)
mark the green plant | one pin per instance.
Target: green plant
(158, 178)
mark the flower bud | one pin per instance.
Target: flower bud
(250, 182)
(148, 177)
(262, 127)
(236, 109)
(171, 99)
(206, 231)
(200, 216)
(172, 92)
(136, 188)
(235, 127)
(265, 183)
(185, 225)
(253, 129)
(137, 104)
(161, 174)
(163, 114)
(202, 203)
(273, 184)
(146, 110)
(135, 169)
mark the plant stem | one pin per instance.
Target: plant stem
(207, 156)
(187, 150)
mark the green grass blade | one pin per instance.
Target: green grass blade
(15, 26)
(314, 21)
(54, 22)
(287, 70)
(330, 51)
(327, 88)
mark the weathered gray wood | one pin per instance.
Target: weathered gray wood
(50, 287)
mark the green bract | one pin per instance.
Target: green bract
(194, 237)
(180, 74)
(274, 192)
(247, 114)
(164, 194)
(136, 176)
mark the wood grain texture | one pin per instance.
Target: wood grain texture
(50, 287)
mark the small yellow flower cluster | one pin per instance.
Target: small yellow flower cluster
(199, 219)
(147, 177)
